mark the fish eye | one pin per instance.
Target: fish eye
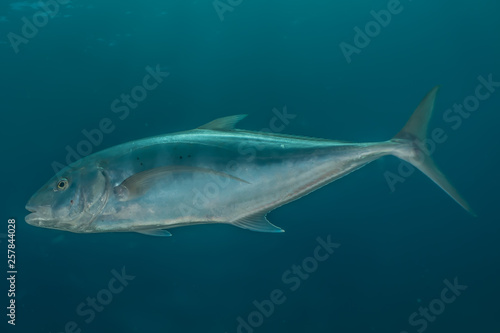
(62, 184)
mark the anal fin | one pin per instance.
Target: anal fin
(257, 222)
(155, 232)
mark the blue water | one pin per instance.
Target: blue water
(394, 247)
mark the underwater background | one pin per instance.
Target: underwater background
(406, 258)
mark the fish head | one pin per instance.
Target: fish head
(71, 200)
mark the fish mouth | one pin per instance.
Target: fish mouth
(34, 219)
(38, 215)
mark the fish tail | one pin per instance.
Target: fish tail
(412, 147)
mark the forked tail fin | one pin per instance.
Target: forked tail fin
(413, 147)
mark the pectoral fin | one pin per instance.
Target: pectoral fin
(257, 222)
(138, 184)
(155, 232)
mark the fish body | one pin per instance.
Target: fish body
(212, 174)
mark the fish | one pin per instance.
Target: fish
(214, 174)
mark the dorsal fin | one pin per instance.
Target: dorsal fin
(224, 123)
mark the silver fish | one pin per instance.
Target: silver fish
(213, 174)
